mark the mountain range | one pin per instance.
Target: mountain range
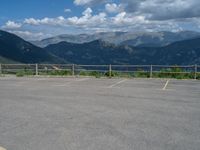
(15, 49)
(148, 39)
(100, 52)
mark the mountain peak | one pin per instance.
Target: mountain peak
(158, 39)
(102, 43)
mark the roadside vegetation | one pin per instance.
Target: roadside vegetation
(176, 73)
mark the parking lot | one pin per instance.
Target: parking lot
(99, 114)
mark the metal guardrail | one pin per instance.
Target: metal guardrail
(192, 71)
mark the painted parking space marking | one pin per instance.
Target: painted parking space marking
(1, 148)
(166, 84)
(70, 82)
(114, 85)
(84, 79)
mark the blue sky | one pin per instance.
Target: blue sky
(20, 9)
(38, 19)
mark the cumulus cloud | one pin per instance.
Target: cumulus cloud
(113, 8)
(87, 12)
(29, 35)
(67, 10)
(124, 15)
(88, 2)
(126, 19)
(82, 2)
(12, 25)
(88, 19)
(152, 9)
(46, 21)
(164, 9)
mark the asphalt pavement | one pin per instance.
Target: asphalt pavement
(99, 114)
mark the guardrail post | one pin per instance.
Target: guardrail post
(36, 69)
(73, 69)
(151, 71)
(110, 71)
(195, 72)
(1, 69)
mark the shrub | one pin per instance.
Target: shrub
(141, 74)
(112, 74)
(95, 74)
(84, 73)
(59, 72)
(91, 73)
(175, 72)
(22, 73)
(198, 76)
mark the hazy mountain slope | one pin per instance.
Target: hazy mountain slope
(183, 52)
(6, 61)
(14, 48)
(99, 52)
(79, 39)
(96, 52)
(159, 39)
(149, 39)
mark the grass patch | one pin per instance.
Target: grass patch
(56, 73)
(91, 73)
(22, 73)
(176, 72)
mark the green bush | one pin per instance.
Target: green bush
(141, 74)
(22, 73)
(95, 74)
(176, 73)
(112, 74)
(56, 72)
(91, 73)
(59, 73)
(84, 73)
(198, 76)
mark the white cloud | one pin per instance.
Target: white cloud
(163, 9)
(123, 21)
(88, 19)
(88, 2)
(46, 21)
(130, 15)
(82, 2)
(29, 35)
(153, 9)
(32, 21)
(126, 19)
(87, 12)
(113, 8)
(12, 25)
(67, 10)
